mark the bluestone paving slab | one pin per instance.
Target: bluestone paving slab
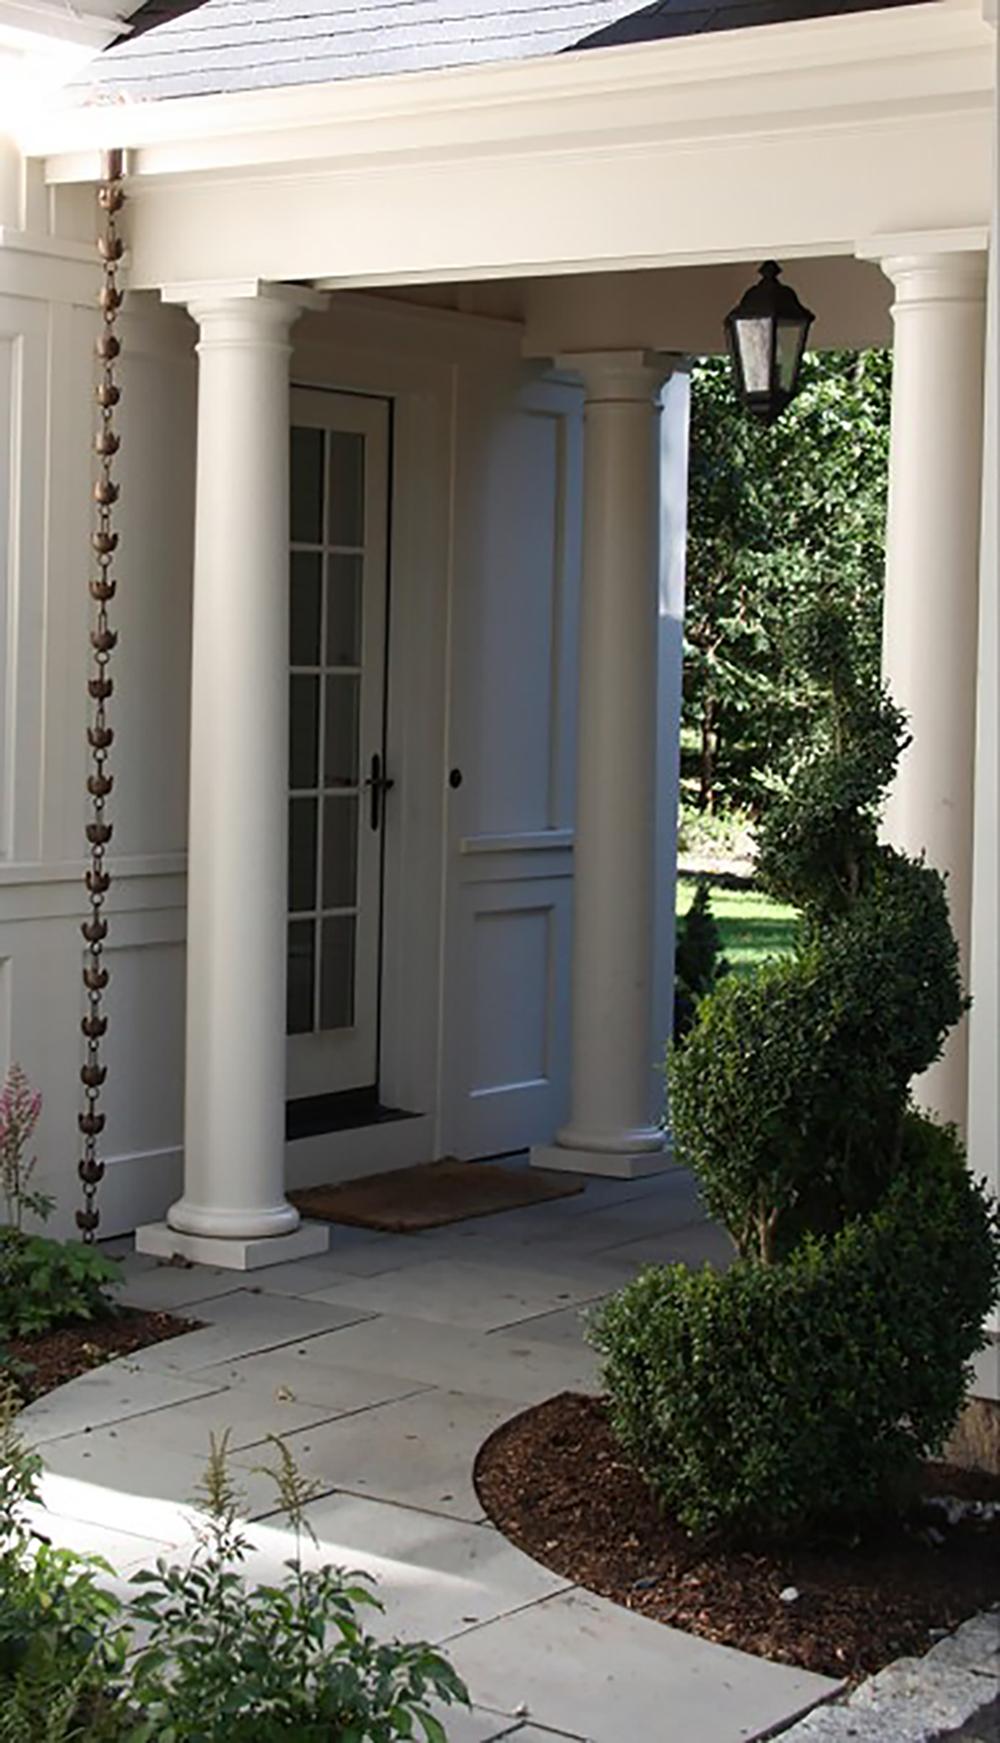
(582, 1665)
(438, 1576)
(110, 1394)
(241, 1324)
(419, 1451)
(294, 1374)
(463, 1727)
(516, 1369)
(473, 1293)
(368, 1252)
(301, 1278)
(124, 1550)
(480, 1727)
(175, 1288)
(249, 1414)
(127, 1474)
(565, 1327)
(695, 1246)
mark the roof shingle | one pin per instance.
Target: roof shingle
(183, 48)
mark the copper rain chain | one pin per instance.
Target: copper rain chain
(100, 736)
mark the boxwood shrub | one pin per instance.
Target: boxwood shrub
(775, 1397)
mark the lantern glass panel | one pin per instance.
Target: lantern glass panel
(791, 343)
(754, 339)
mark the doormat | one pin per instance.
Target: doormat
(431, 1195)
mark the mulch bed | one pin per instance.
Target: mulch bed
(41, 1363)
(555, 1482)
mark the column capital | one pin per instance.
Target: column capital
(614, 376)
(940, 266)
(242, 306)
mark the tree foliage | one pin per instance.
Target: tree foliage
(778, 519)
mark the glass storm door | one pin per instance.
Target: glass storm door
(337, 785)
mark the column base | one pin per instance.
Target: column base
(160, 1241)
(609, 1164)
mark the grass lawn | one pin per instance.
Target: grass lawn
(753, 927)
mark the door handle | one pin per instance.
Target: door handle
(377, 784)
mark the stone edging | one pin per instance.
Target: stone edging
(934, 1699)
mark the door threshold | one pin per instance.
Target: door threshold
(316, 1116)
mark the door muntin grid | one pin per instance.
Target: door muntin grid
(326, 643)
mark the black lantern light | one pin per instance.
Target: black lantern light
(767, 334)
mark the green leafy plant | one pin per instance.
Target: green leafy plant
(62, 1645)
(776, 1396)
(230, 1663)
(221, 1661)
(46, 1283)
(43, 1282)
(804, 1384)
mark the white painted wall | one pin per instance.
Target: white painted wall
(47, 330)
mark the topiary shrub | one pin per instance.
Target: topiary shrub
(788, 1096)
(807, 1381)
(699, 963)
(776, 1396)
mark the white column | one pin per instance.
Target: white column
(233, 1210)
(984, 1018)
(616, 1091)
(932, 577)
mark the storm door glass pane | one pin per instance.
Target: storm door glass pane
(303, 817)
(340, 851)
(307, 486)
(343, 611)
(347, 488)
(336, 997)
(301, 971)
(304, 733)
(307, 607)
(343, 702)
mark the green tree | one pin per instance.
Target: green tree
(779, 519)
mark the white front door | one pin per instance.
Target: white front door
(337, 775)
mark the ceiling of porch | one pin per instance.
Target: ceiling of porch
(183, 48)
(670, 308)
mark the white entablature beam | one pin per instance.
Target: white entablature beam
(553, 212)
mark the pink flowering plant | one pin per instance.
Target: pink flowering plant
(20, 1106)
(43, 1283)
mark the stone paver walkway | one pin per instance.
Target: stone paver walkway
(384, 1365)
